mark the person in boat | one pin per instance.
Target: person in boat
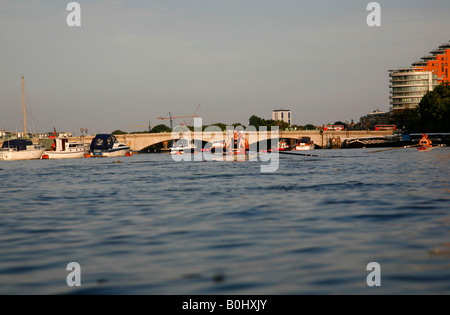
(242, 143)
(232, 142)
(425, 141)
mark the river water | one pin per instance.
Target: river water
(149, 225)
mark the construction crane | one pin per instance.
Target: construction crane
(171, 118)
(195, 113)
(149, 126)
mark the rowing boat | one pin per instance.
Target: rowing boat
(424, 148)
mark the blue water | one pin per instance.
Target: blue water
(149, 225)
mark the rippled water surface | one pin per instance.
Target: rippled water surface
(149, 225)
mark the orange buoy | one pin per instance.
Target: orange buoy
(87, 155)
(128, 154)
(45, 157)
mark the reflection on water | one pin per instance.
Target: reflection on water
(151, 225)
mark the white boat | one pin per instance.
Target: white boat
(183, 146)
(106, 145)
(282, 146)
(217, 146)
(63, 149)
(304, 144)
(21, 149)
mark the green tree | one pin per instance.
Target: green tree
(160, 128)
(281, 124)
(257, 122)
(119, 132)
(407, 120)
(222, 126)
(434, 110)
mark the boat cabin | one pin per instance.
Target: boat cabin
(63, 145)
(306, 140)
(17, 144)
(103, 142)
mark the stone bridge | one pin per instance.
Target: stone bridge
(139, 142)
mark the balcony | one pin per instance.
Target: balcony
(420, 64)
(428, 58)
(437, 52)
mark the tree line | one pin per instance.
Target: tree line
(432, 114)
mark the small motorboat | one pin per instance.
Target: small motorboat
(282, 146)
(304, 144)
(218, 146)
(106, 145)
(183, 146)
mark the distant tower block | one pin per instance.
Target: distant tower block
(282, 115)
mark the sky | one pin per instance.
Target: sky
(133, 61)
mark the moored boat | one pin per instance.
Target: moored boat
(304, 144)
(20, 149)
(217, 146)
(183, 146)
(63, 149)
(282, 146)
(106, 145)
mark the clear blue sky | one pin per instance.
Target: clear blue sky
(133, 61)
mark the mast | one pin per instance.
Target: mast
(24, 112)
